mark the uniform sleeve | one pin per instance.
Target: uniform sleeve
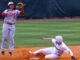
(17, 11)
(20, 12)
(68, 50)
(5, 11)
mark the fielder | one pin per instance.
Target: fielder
(8, 30)
(56, 51)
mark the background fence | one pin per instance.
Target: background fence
(47, 8)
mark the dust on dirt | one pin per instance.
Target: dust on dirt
(23, 54)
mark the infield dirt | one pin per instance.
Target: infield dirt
(23, 54)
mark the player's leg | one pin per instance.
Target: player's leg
(4, 37)
(11, 39)
(51, 56)
(45, 50)
(37, 51)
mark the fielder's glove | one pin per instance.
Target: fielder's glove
(73, 58)
(20, 6)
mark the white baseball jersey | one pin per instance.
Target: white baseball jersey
(61, 48)
(11, 16)
(9, 28)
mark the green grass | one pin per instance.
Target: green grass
(29, 34)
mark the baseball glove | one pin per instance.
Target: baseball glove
(20, 6)
(73, 58)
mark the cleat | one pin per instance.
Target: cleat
(2, 52)
(30, 52)
(10, 53)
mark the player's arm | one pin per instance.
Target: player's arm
(21, 12)
(4, 13)
(70, 53)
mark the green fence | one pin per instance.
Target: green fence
(47, 8)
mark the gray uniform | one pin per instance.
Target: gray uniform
(8, 28)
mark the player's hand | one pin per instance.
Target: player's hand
(73, 58)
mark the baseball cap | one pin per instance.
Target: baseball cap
(10, 3)
(59, 38)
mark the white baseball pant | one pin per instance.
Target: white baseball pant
(51, 52)
(8, 30)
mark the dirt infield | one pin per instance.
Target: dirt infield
(23, 54)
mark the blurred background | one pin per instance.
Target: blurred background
(47, 8)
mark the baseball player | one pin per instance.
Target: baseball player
(8, 30)
(56, 51)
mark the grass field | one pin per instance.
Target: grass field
(29, 34)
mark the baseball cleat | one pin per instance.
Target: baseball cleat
(31, 52)
(10, 53)
(2, 52)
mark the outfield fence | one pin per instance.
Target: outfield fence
(47, 8)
